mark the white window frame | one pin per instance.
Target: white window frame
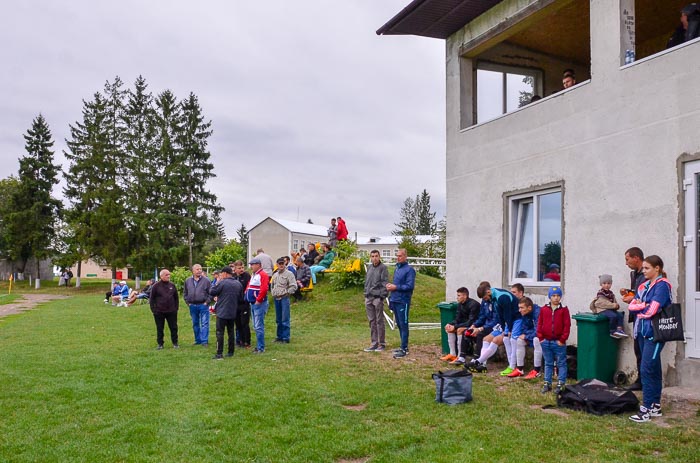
(295, 245)
(386, 252)
(537, 74)
(514, 231)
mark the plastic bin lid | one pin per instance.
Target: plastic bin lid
(446, 305)
(588, 316)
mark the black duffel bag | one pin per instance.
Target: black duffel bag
(597, 397)
(453, 386)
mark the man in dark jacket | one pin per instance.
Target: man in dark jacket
(303, 277)
(243, 314)
(164, 305)
(465, 316)
(375, 293)
(400, 299)
(196, 295)
(228, 293)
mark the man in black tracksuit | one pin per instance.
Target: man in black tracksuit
(243, 314)
(229, 294)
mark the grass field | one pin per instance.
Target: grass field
(81, 381)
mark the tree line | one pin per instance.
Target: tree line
(135, 185)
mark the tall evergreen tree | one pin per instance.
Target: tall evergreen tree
(425, 218)
(97, 211)
(31, 224)
(8, 189)
(242, 234)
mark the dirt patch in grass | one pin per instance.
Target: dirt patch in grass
(355, 408)
(28, 302)
(355, 460)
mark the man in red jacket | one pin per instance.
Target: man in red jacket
(553, 327)
(342, 231)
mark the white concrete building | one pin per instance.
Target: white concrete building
(610, 163)
(388, 246)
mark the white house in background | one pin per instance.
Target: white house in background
(280, 237)
(387, 246)
(609, 163)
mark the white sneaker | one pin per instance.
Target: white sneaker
(655, 410)
(642, 416)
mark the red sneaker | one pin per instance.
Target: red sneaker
(533, 374)
(515, 373)
(448, 357)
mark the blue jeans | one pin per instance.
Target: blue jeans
(314, 270)
(650, 372)
(550, 351)
(200, 323)
(283, 318)
(615, 317)
(400, 310)
(259, 311)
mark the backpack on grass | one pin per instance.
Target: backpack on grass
(453, 386)
(597, 397)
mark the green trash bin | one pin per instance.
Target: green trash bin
(597, 352)
(447, 314)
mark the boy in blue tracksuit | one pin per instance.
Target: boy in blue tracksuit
(526, 335)
(400, 300)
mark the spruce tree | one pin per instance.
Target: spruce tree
(31, 224)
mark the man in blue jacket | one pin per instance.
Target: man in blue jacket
(400, 300)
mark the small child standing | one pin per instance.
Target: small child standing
(527, 336)
(553, 327)
(605, 303)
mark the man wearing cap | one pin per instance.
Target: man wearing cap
(284, 285)
(553, 274)
(120, 294)
(196, 295)
(164, 305)
(256, 294)
(228, 292)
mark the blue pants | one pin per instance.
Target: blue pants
(650, 370)
(551, 351)
(283, 318)
(200, 323)
(615, 317)
(259, 311)
(400, 310)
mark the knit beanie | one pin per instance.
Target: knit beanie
(555, 290)
(605, 278)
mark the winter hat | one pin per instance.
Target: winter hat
(605, 278)
(555, 290)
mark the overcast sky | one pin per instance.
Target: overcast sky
(313, 114)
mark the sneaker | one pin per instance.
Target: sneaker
(160, 347)
(642, 416)
(218, 357)
(395, 351)
(370, 349)
(277, 340)
(621, 334)
(615, 335)
(560, 387)
(546, 388)
(400, 354)
(458, 361)
(507, 371)
(516, 373)
(448, 358)
(655, 410)
(176, 346)
(259, 351)
(205, 344)
(533, 374)
(229, 354)
(106, 301)
(473, 362)
(480, 368)
(380, 349)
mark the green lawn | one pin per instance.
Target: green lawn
(81, 381)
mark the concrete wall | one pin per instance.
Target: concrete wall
(271, 236)
(613, 143)
(92, 269)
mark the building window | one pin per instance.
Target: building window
(295, 245)
(535, 237)
(303, 244)
(501, 89)
(386, 252)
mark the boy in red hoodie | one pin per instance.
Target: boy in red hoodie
(553, 327)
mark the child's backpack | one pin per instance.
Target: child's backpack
(597, 397)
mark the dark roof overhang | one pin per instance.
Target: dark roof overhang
(435, 18)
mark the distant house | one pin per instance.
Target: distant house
(93, 269)
(282, 237)
(582, 174)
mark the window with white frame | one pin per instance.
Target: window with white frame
(386, 252)
(295, 245)
(535, 237)
(303, 244)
